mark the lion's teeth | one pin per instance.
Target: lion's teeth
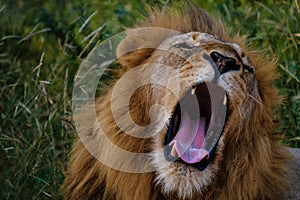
(225, 100)
(193, 91)
(174, 152)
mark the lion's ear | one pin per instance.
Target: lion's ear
(139, 44)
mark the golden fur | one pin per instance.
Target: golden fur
(249, 164)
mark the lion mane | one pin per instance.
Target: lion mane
(249, 161)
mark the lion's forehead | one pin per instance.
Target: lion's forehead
(194, 40)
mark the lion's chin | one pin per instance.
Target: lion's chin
(181, 180)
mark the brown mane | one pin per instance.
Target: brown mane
(253, 166)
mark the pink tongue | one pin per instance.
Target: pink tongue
(189, 141)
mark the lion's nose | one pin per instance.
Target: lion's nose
(223, 63)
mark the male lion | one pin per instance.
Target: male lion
(200, 114)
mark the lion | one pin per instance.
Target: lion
(205, 132)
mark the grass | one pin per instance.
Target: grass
(42, 45)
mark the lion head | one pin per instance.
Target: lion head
(197, 104)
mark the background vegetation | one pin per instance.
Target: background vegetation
(42, 44)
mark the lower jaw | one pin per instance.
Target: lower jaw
(183, 181)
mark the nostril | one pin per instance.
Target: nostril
(214, 56)
(223, 63)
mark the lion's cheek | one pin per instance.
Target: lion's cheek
(235, 87)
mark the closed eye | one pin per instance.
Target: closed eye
(183, 46)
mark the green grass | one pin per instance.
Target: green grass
(42, 45)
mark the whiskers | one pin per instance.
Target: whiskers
(262, 106)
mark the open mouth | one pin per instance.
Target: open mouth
(196, 126)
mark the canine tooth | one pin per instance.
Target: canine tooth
(193, 91)
(174, 152)
(225, 100)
